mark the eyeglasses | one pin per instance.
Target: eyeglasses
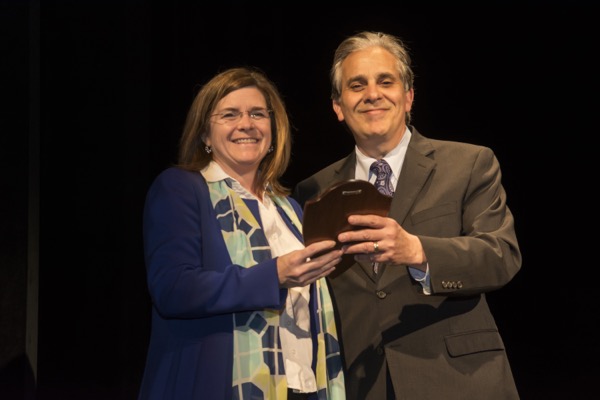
(230, 116)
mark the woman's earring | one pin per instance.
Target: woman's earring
(270, 149)
(207, 149)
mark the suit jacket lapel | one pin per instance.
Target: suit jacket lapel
(347, 169)
(415, 172)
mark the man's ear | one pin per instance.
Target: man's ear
(410, 96)
(338, 110)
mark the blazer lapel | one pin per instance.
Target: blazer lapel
(416, 170)
(347, 168)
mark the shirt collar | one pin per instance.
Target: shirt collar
(395, 158)
(214, 173)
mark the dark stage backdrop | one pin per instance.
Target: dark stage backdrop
(117, 79)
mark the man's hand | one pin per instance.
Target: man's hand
(382, 240)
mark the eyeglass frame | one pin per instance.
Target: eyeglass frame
(238, 115)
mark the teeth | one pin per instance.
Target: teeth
(245, 141)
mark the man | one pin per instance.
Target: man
(412, 311)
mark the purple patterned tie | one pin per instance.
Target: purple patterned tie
(383, 172)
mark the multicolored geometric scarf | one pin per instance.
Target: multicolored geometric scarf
(258, 366)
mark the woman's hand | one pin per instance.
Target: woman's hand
(300, 268)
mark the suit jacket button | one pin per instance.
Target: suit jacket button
(380, 350)
(381, 294)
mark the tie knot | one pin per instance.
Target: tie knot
(381, 167)
(383, 177)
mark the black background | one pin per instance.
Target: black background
(117, 78)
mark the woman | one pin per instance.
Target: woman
(240, 309)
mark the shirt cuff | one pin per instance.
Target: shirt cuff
(421, 277)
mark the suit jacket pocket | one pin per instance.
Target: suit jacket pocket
(473, 342)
